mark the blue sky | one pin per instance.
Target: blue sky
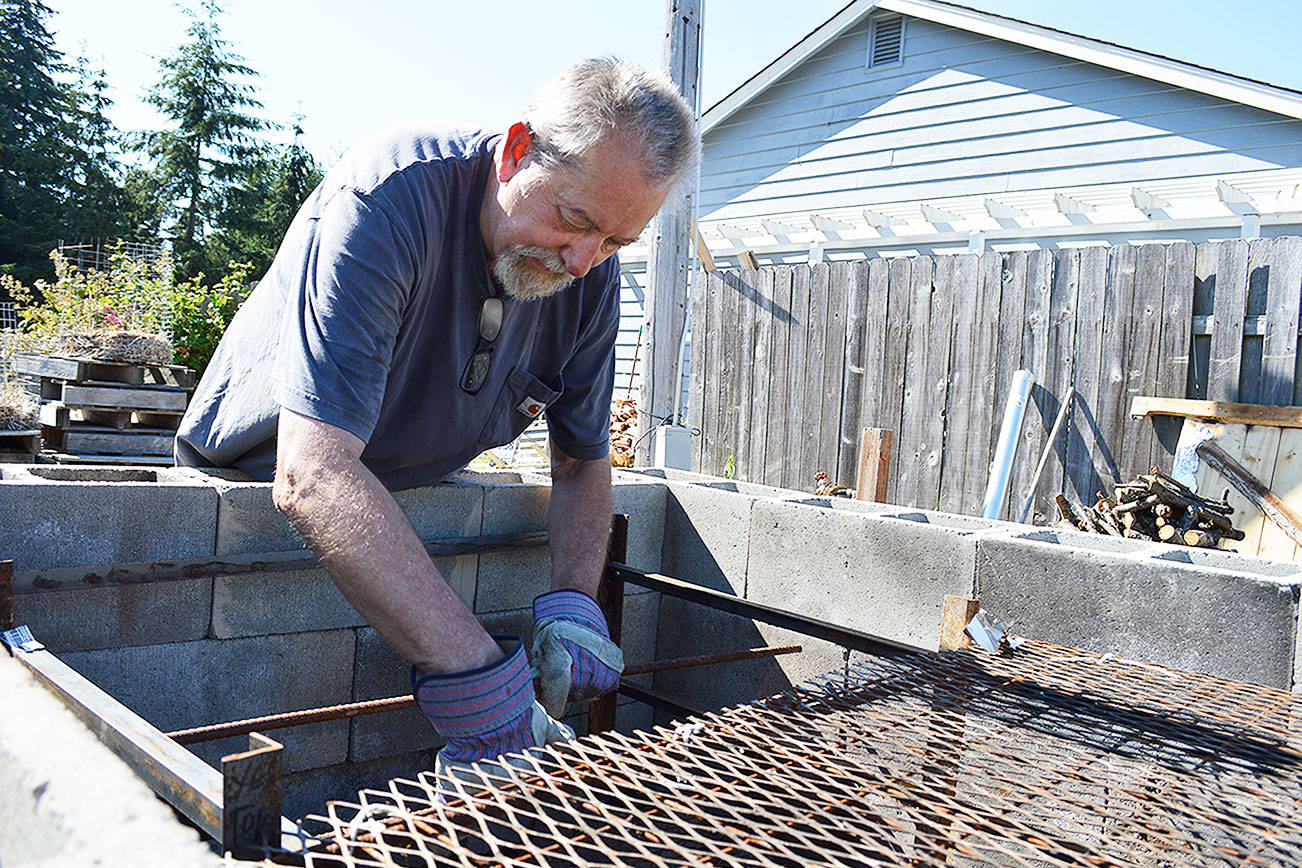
(351, 67)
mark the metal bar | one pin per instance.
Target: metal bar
(657, 700)
(65, 578)
(252, 790)
(843, 636)
(610, 597)
(214, 731)
(708, 659)
(183, 780)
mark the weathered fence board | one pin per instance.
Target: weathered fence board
(791, 363)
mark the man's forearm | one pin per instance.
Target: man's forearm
(353, 524)
(578, 522)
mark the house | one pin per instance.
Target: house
(904, 126)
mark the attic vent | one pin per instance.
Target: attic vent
(886, 41)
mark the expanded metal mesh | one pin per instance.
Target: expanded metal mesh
(1047, 756)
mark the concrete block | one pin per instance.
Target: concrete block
(188, 684)
(249, 522)
(307, 792)
(112, 616)
(65, 799)
(643, 500)
(1180, 609)
(296, 601)
(381, 672)
(641, 627)
(53, 520)
(510, 580)
(883, 576)
(706, 537)
(687, 629)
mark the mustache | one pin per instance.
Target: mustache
(549, 258)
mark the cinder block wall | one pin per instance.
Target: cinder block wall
(886, 570)
(200, 651)
(193, 652)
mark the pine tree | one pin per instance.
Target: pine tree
(34, 140)
(98, 206)
(205, 91)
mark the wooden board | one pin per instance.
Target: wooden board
(761, 381)
(1271, 455)
(854, 277)
(775, 447)
(1230, 307)
(62, 368)
(1283, 300)
(913, 443)
(56, 415)
(833, 372)
(797, 384)
(747, 311)
(1063, 301)
(122, 397)
(106, 441)
(962, 376)
(985, 354)
(1218, 411)
(1285, 481)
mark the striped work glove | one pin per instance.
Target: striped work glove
(573, 656)
(486, 712)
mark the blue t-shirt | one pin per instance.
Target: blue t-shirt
(370, 311)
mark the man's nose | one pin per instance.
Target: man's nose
(581, 254)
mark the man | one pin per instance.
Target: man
(437, 292)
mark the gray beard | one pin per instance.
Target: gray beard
(525, 282)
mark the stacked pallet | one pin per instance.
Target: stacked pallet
(97, 411)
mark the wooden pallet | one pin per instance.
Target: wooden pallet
(91, 440)
(72, 370)
(56, 414)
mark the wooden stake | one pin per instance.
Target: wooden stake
(955, 615)
(874, 464)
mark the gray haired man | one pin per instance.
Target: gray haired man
(440, 290)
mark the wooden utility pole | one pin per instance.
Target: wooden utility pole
(665, 303)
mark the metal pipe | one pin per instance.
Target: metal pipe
(214, 731)
(1048, 447)
(843, 636)
(1002, 466)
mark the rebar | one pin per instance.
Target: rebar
(1047, 756)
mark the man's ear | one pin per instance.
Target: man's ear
(515, 151)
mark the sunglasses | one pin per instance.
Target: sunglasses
(490, 325)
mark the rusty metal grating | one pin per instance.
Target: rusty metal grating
(1045, 757)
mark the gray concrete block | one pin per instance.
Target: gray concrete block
(65, 799)
(296, 601)
(188, 684)
(1236, 624)
(883, 576)
(641, 627)
(687, 629)
(112, 616)
(307, 792)
(510, 580)
(249, 522)
(66, 523)
(706, 537)
(643, 501)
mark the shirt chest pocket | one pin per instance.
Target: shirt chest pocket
(522, 400)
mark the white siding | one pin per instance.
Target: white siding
(965, 115)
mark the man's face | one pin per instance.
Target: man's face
(557, 225)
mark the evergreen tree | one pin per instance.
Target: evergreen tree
(34, 140)
(255, 216)
(98, 206)
(213, 145)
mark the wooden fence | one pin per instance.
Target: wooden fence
(790, 363)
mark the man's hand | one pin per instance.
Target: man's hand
(352, 523)
(574, 659)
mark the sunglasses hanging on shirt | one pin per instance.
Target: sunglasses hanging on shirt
(479, 363)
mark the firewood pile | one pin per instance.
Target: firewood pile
(623, 427)
(1157, 507)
